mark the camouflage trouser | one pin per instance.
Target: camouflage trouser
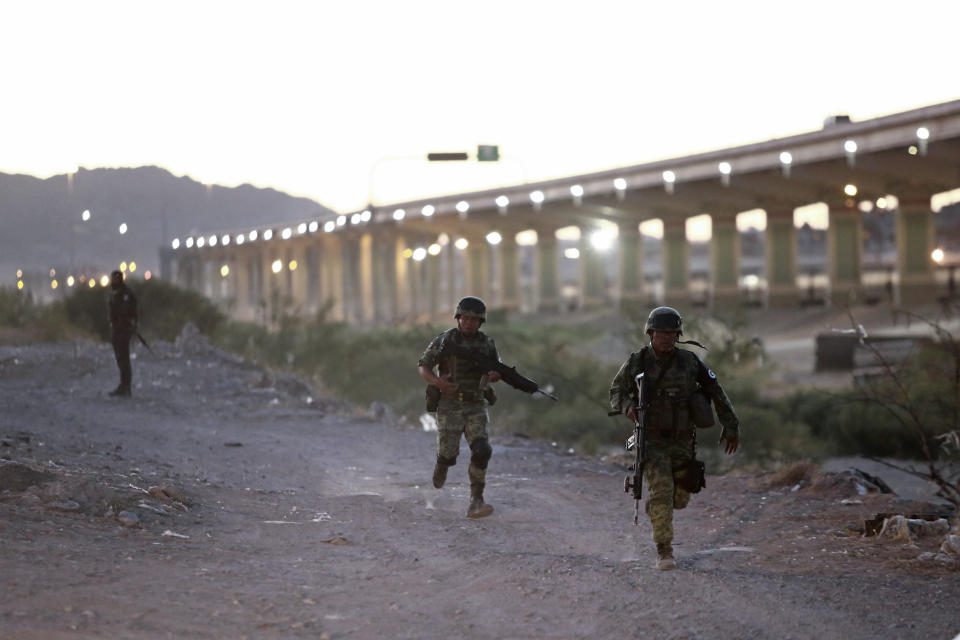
(665, 464)
(468, 419)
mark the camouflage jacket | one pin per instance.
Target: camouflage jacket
(668, 408)
(465, 372)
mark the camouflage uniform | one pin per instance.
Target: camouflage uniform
(466, 411)
(670, 434)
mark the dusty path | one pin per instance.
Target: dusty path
(304, 521)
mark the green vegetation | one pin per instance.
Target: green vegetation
(364, 365)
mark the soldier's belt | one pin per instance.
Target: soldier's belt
(468, 396)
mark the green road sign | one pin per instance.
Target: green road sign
(488, 153)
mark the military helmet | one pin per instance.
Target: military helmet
(471, 306)
(664, 319)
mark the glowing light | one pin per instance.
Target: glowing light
(537, 196)
(292, 265)
(428, 211)
(19, 273)
(419, 254)
(669, 177)
(241, 238)
(365, 216)
(122, 228)
(494, 238)
(571, 252)
(268, 234)
(923, 133)
(20, 284)
(850, 146)
(399, 215)
(70, 281)
(132, 266)
(53, 272)
(699, 228)
(123, 267)
(576, 191)
(443, 239)
(724, 168)
(85, 215)
(526, 238)
(620, 184)
(286, 233)
(355, 218)
(407, 253)
(329, 226)
(147, 275)
(201, 241)
(212, 241)
(104, 280)
(461, 243)
(224, 271)
(912, 150)
(652, 228)
(463, 206)
(54, 284)
(302, 228)
(252, 235)
(91, 283)
(571, 232)
(752, 219)
(751, 281)
(313, 226)
(434, 249)
(225, 240)
(601, 240)
(937, 255)
(276, 266)
(850, 190)
(341, 220)
(502, 201)
(786, 157)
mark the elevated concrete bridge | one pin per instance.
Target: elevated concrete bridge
(412, 260)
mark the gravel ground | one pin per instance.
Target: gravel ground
(227, 501)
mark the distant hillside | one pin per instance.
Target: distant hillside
(41, 226)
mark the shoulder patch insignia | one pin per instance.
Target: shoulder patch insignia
(711, 374)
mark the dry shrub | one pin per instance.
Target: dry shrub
(792, 474)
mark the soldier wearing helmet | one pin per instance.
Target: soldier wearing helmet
(674, 378)
(463, 398)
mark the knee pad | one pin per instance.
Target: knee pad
(481, 452)
(447, 461)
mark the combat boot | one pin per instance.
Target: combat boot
(478, 508)
(440, 474)
(665, 561)
(122, 391)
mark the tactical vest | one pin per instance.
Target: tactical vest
(462, 370)
(668, 408)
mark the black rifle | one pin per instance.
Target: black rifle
(510, 375)
(636, 442)
(137, 333)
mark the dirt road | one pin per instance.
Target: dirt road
(293, 518)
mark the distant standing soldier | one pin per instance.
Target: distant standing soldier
(123, 326)
(463, 398)
(672, 376)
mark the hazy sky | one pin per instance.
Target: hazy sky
(335, 100)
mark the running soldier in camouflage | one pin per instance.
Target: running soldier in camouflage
(463, 397)
(674, 376)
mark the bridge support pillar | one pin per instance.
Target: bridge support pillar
(509, 273)
(725, 261)
(478, 267)
(548, 281)
(915, 244)
(781, 259)
(592, 275)
(844, 252)
(630, 249)
(676, 263)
